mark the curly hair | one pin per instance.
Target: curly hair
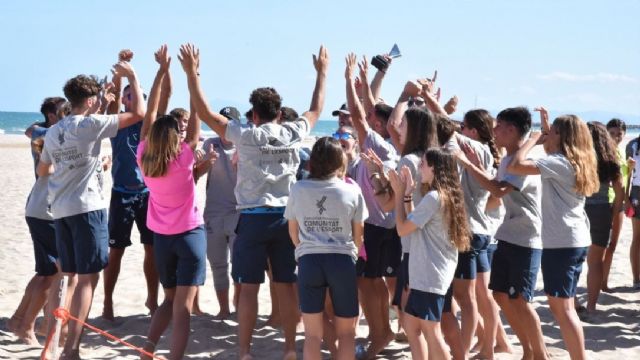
(266, 103)
(51, 105)
(446, 183)
(288, 114)
(80, 88)
(421, 131)
(577, 146)
(481, 120)
(608, 166)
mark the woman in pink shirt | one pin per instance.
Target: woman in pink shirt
(179, 238)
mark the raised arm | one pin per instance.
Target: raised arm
(496, 188)
(165, 93)
(367, 97)
(376, 83)
(544, 119)
(321, 64)
(193, 128)
(520, 165)
(163, 60)
(190, 59)
(395, 119)
(137, 112)
(353, 103)
(430, 97)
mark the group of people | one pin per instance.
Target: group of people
(401, 208)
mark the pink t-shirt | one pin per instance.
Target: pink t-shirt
(172, 197)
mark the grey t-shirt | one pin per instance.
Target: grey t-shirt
(268, 160)
(73, 147)
(475, 196)
(221, 180)
(433, 257)
(325, 210)
(564, 221)
(412, 161)
(522, 222)
(359, 172)
(38, 201)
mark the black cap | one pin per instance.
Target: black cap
(230, 113)
(343, 109)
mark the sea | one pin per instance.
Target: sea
(18, 122)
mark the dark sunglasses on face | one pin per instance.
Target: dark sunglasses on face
(342, 136)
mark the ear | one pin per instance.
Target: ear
(52, 117)
(279, 116)
(255, 118)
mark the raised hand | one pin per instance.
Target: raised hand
(412, 88)
(189, 57)
(123, 69)
(397, 183)
(544, 117)
(408, 180)
(321, 62)
(452, 105)
(125, 55)
(351, 65)
(162, 57)
(364, 68)
(468, 152)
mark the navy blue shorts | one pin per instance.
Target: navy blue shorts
(474, 261)
(491, 249)
(425, 305)
(336, 272)
(43, 234)
(124, 210)
(261, 236)
(81, 241)
(402, 281)
(181, 259)
(514, 270)
(384, 252)
(561, 270)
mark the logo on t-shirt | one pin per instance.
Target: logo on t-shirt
(320, 205)
(61, 137)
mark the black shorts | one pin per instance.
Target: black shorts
(124, 210)
(402, 281)
(261, 236)
(43, 234)
(600, 218)
(384, 252)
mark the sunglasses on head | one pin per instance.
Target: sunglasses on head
(342, 136)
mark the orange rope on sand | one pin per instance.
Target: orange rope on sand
(65, 316)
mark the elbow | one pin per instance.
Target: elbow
(402, 229)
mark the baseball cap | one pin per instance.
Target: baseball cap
(230, 113)
(343, 109)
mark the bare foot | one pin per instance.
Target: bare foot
(377, 345)
(28, 337)
(401, 336)
(197, 311)
(290, 355)
(481, 356)
(503, 348)
(477, 347)
(13, 324)
(274, 322)
(606, 289)
(71, 355)
(151, 305)
(222, 315)
(246, 357)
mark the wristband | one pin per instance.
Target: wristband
(373, 175)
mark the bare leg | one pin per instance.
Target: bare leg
(417, 342)
(182, 303)
(223, 302)
(565, 314)
(151, 277)
(16, 319)
(247, 314)
(80, 306)
(435, 341)
(39, 295)
(634, 251)
(380, 312)
(525, 323)
(346, 334)
(452, 335)
(274, 319)
(288, 309)
(595, 258)
(489, 314)
(312, 336)
(160, 321)
(616, 228)
(111, 273)
(464, 291)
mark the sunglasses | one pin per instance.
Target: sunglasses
(342, 136)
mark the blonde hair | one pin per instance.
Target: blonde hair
(446, 183)
(163, 146)
(576, 144)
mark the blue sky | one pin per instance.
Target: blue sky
(567, 55)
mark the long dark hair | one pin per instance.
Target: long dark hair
(605, 148)
(421, 131)
(481, 120)
(327, 159)
(446, 183)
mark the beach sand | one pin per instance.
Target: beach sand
(613, 334)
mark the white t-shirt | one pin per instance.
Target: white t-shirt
(522, 222)
(268, 160)
(73, 147)
(433, 259)
(564, 221)
(325, 210)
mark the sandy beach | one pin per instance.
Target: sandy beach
(614, 333)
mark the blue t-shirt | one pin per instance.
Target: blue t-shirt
(125, 171)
